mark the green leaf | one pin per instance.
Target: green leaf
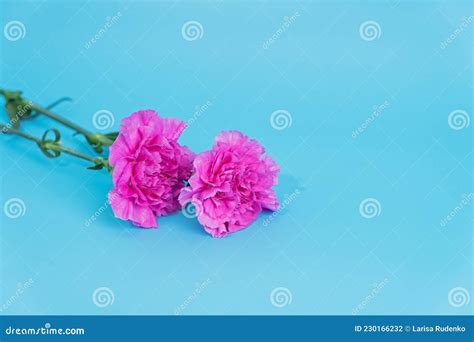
(55, 103)
(46, 143)
(17, 107)
(57, 135)
(100, 163)
(12, 114)
(112, 135)
(98, 148)
(96, 167)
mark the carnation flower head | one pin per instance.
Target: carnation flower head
(149, 168)
(231, 184)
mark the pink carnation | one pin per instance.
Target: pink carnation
(231, 184)
(149, 168)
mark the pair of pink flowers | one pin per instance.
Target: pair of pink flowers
(154, 176)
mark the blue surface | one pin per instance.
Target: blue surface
(326, 256)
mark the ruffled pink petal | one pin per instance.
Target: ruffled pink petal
(149, 167)
(185, 196)
(230, 138)
(234, 139)
(272, 168)
(122, 172)
(268, 200)
(118, 150)
(171, 128)
(126, 209)
(232, 182)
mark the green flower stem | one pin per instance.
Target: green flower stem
(91, 137)
(54, 146)
(19, 108)
(7, 130)
(65, 122)
(61, 148)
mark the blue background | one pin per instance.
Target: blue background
(319, 247)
